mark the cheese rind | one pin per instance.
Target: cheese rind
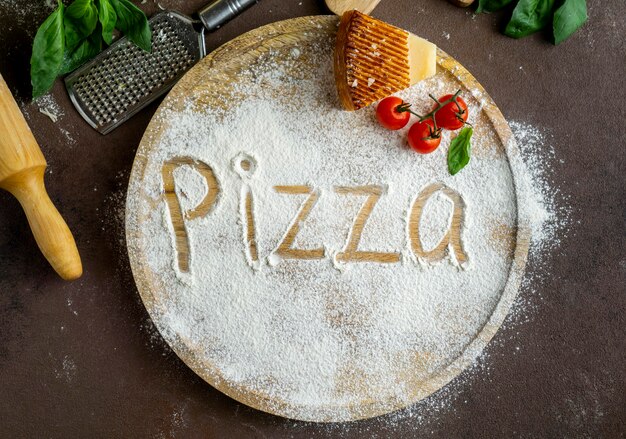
(374, 59)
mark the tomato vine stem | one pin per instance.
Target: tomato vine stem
(406, 107)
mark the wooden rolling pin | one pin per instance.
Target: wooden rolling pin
(22, 167)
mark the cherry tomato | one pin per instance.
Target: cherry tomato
(423, 137)
(453, 115)
(388, 115)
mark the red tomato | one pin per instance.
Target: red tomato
(388, 116)
(453, 115)
(423, 138)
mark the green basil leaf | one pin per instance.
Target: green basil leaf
(528, 17)
(459, 151)
(80, 21)
(85, 51)
(108, 18)
(491, 5)
(568, 18)
(47, 56)
(133, 22)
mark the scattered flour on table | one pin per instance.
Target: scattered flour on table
(67, 370)
(25, 13)
(549, 208)
(48, 106)
(71, 141)
(321, 333)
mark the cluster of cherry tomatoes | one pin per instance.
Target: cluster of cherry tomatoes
(449, 112)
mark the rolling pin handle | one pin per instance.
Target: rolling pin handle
(49, 229)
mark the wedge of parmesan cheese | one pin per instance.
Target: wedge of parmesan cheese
(374, 59)
(422, 59)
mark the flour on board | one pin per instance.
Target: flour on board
(304, 332)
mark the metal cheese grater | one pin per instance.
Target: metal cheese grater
(124, 79)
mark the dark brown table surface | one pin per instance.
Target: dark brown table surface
(83, 360)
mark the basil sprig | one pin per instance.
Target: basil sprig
(79, 21)
(133, 22)
(48, 48)
(108, 18)
(568, 18)
(86, 50)
(71, 36)
(459, 151)
(530, 16)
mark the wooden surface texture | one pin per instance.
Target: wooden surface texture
(209, 84)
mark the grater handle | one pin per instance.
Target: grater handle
(219, 12)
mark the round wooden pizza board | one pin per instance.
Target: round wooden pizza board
(217, 73)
